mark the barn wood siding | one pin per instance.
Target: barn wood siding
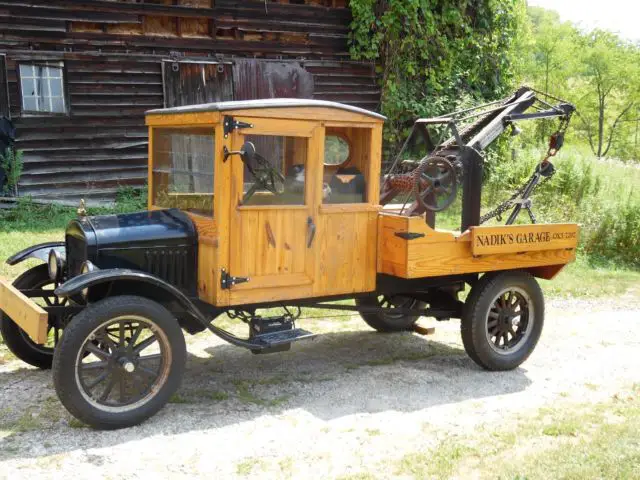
(113, 53)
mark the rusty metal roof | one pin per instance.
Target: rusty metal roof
(265, 103)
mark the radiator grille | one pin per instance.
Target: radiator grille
(172, 265)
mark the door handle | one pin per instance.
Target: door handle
(311, 231)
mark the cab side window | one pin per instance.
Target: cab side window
(183, 169)
(346, 164)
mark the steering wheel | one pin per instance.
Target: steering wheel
(265, 175)
(435, 183)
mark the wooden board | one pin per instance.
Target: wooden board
(208, 243)
(28, 315)
(347, 251)
(523, 238)
(182, 119)
(435, 253)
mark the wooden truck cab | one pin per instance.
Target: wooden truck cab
(316, 238)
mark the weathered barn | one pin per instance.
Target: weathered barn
(76, 76)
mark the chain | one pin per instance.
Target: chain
(555, 144)
(509, 204)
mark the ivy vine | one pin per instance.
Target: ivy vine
(436, 55)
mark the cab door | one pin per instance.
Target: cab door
(273, 240)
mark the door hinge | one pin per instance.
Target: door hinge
(230, 124)
(227, 281)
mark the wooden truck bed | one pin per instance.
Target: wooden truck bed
(409, 248)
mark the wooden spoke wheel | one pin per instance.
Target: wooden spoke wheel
(502, 319)
(119, 362)
(508, 324)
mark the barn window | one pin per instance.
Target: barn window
(42, 87)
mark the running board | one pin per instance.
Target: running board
(278, 341)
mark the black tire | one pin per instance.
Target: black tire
(502, 319)
(89, 332)
(388, 322)
(16, 339)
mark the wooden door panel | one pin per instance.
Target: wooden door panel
(347, 252)
(271, 243)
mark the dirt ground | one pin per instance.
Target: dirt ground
(350, 402)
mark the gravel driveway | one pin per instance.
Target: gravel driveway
(347, 402)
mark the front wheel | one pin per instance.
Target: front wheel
(119, 362)
(502, 319)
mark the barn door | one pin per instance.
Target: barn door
(190, 83)
(255, 79)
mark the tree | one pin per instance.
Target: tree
(611, 76)
(553, 51)
(552, 58)
(436, 55)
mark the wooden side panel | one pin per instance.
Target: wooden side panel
(439, 253)
(455, 258)
(347, 256)
(28, 315)
(207, 256)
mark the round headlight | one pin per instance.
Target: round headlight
(55, 265)
(87, 267)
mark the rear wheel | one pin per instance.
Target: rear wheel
(388, 321)
(502, 319)
(119, 362)
(16, 339)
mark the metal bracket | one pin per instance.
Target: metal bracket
(409, 235)
(227, 153)
(230, 124)
(227, 281)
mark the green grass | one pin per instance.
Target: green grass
(585, 279)
(569, 442)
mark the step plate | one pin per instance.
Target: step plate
(279, 338)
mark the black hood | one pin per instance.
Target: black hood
(155, 228)
(160, 242)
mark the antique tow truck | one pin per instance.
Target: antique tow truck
(281, 203)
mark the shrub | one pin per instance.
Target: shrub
(12, 163)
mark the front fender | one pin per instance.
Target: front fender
(40, 251)
(78, 283)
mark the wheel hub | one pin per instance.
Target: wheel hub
(126, 364)
(508, 320)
